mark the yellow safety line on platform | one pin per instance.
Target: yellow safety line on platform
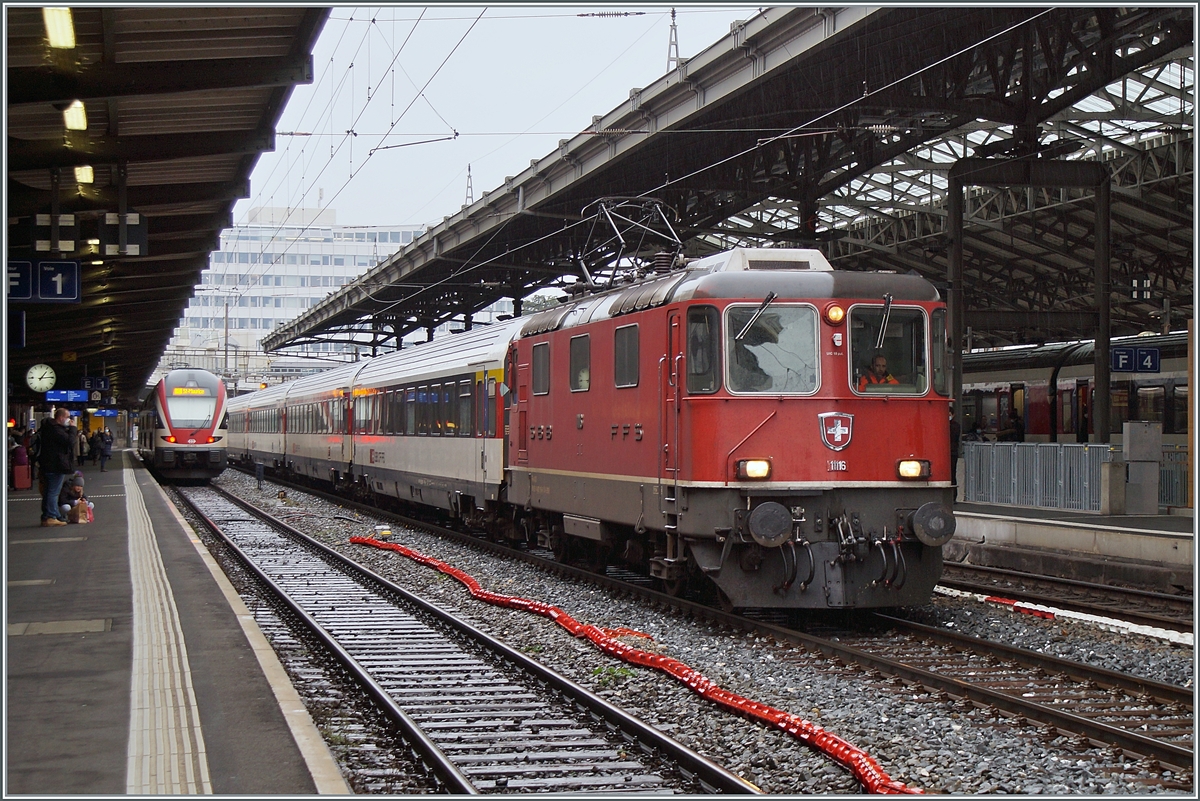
(166, 746)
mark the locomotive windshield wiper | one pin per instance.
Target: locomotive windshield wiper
(762, 308)
(207, 420)
(887, 313)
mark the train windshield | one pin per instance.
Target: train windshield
(887, 350)
(777, 353)
(191, 412)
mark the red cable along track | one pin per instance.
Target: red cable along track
(862, 765)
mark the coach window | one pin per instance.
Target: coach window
(541, 368)
(450, 409)
(625, 356)
(702, 373)
(410, 410)
(1150, 403)
(898, 335)
(491, 407)
(464, 408)
(581, 363)
(771, 348)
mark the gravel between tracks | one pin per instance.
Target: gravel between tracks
(915, 738)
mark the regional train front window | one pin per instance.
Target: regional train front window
(892, 362)
(191, 411)
(778, 353)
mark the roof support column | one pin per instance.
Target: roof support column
(954, 274)
(1102, 401)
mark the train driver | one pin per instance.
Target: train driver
(878, 374)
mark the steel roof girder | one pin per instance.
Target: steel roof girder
(44, 154)
(113, 80)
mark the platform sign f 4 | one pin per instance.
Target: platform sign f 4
(836, 429)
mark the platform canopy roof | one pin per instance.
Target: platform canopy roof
(839, 127)
(180, 101)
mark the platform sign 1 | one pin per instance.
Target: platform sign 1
(95, 382)
(43, 281)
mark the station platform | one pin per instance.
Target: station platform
(133, 667)
(1152, 551)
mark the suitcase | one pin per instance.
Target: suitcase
(21, 479)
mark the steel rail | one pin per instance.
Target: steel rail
(1074, 604)
(455, 780)
(712, 776)
(1168, 753)
(1169, 693)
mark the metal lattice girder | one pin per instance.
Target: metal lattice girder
(812, 126)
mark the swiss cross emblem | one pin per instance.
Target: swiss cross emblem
(836, 428)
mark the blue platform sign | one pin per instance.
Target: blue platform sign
(1122, 360)
(43, 281)
(96, 382)
(106, 413)
(66, 396)
(1146, 360)
(20, 280)
(58, 281)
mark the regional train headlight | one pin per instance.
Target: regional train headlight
(913, 468)
(753, 469)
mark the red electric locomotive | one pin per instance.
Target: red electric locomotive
(757, 419)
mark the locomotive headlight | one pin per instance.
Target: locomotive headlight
(169, 438)
(913, 468)
(834, 314)
(753, 469)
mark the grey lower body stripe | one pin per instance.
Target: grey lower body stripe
(166, 746)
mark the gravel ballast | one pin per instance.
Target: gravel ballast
(917, 739)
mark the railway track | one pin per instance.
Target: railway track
(1143, 607)
(1021, 688)
(484, 718)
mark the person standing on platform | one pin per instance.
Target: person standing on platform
(57, 445)
(106, 445)
(94, 446)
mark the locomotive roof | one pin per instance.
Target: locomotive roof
(741, 273)
(194, 376)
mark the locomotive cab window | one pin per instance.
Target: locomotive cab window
(541, 368)
(581, 363)
(703, 375)
(887, 350)
(190, 411)
(771, 348)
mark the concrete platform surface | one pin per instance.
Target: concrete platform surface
(132, 665)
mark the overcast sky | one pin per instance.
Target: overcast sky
(510, 80)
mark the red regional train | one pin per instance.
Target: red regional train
(182, 434)
(1052, 387)
(712, 426)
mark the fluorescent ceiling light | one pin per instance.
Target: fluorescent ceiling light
(75, 116)
(84, 175)
(60, 30)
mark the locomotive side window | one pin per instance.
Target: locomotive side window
(625, 356)
(771, 349)
(702, 329)
(892, 338)
(941, 374)
(541, 368)
(581, 363)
